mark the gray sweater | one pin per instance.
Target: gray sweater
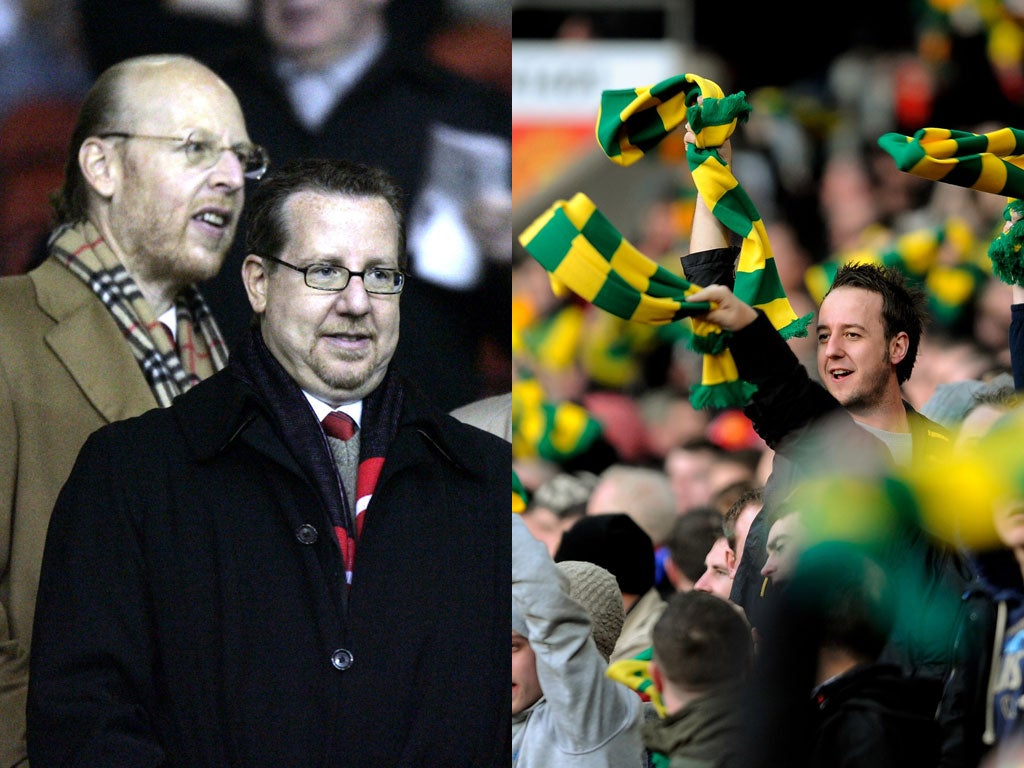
(584, 719)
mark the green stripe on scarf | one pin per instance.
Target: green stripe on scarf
(987, 162)
(519, 495)
(585, 254)
(551, 430)
(1005, 250)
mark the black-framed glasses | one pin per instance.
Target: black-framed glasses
(202, 150)
(331, 277)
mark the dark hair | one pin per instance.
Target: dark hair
(903, 305)
(847, 596)
(701, 641)
(615, 542)
(753, 495)
(267, 229)
(106, 107)
(693, 535)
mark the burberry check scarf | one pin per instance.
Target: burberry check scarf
(584, 253)
(201, 349)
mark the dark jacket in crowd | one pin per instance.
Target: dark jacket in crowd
(192, 551)
(991, 697)
(873, 716)
(706, 732)
(811, 432)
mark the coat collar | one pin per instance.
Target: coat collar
(84, 332)
(223, 409)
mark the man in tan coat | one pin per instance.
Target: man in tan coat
(111, 324)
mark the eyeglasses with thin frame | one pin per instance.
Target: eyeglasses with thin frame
(202, 150)
(331, 277)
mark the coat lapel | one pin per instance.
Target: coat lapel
(88, 342)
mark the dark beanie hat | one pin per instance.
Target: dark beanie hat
(616, 543)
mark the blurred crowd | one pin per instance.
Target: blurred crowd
(809, 158)
(603, 422)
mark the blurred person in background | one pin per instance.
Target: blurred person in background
(333, 79)
(693, 536)
(643, 493)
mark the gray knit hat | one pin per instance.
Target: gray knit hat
(597, 590)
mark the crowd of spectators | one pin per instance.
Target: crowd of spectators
(596, 396)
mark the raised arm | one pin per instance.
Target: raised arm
(712, 256)
(588, 706)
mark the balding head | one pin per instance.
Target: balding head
(142, 94)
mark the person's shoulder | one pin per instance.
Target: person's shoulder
(195, 410)
(17, 298)
(937, 438)
(463, 439)
(459, 99)
(492, 414)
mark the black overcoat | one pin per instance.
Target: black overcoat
(192, 610)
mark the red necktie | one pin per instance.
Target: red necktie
(339, 425)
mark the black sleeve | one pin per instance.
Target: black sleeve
(717, 266)
(1017, 344)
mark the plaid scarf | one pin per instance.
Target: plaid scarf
(301, 432)
(583, 253)
(202, 351)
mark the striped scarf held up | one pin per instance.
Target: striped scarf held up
(201, 349)
(988, 162)
(584, 253)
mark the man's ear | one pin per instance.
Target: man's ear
(730, 561)
(254, 276)
(100, 165)
(898, 347)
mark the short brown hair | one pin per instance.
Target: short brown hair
(904, 305)
(701, 641)
(267, 230)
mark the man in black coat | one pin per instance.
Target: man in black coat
(227, 583)
(853, 420)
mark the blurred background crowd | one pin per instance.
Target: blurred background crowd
(809, 159)
(603, 422)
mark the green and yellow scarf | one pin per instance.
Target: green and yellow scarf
(988, 162)
(584, 253)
